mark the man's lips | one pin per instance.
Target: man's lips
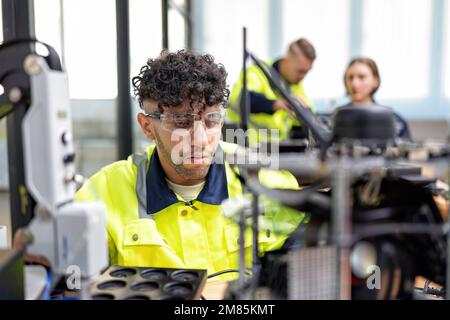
(198, 158)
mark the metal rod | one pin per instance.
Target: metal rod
(341, 222)
(242, 264)
(188, 24)
(255, 247)
(62, 32)
(244, 103)
(447, 287)
(165, 23)
(18, 22)
(124, 124)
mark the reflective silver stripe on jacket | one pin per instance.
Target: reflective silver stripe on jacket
(140, 161)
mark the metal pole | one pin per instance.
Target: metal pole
(188, 24)
(124, 126)
(244, 103)
(255, 250)
(18, 22)
(242, 265)
(165, 23)
(447, 276)
(341, 222)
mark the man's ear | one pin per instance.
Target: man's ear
(144, 122)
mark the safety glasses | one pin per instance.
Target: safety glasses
(212, 121)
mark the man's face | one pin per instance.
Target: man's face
(186, 144)
(299, 66)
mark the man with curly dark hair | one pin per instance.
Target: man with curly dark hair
(187, 84)
(164, 207)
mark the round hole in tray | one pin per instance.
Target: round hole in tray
(137, 298)
(103, 296)
(170, 298)
(184, 276)
(145, 286)
(154, 275)
(178, 288)
(123, 273)
(111, 285)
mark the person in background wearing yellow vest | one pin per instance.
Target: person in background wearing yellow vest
(164, 205)
(268, 109)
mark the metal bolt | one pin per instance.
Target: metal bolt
(31, 65)
(79, 179)
(15, 94)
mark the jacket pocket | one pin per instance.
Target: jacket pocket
(142, 232)
(143, 246)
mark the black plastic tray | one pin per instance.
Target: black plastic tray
(136, 283)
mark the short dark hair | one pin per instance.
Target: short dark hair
(174, 77)
(373, 68)
(305, 47)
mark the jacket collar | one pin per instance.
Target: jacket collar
(159, 196)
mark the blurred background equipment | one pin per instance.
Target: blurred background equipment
(381, 220)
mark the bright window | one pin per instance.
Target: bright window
(177, 27)
(396, 34)
(447, 50)
(47, 17)
(223, 23)
(145, 32)
(90, 48)
(326, 24)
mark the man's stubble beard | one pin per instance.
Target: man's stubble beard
(188, 174)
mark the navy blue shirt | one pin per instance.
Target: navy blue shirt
(258, 102)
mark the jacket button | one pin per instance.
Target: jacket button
(268, 233)
(184, 212)
(135, 237)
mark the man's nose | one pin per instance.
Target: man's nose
(200, 134)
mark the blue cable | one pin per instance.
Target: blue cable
(48, 284)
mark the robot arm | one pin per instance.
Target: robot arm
(67, 233)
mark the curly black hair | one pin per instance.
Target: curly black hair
(174, 77)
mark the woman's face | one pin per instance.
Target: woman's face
(360, 82)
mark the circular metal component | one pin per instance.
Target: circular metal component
(15, 94)
(135, 237)
(79, 179)
(112, 285)
(31, 65)
(145, 286)
(184, 212)
(178, 288)
(154, 275)
(123, 273)
(184, 276)
(363, 256)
